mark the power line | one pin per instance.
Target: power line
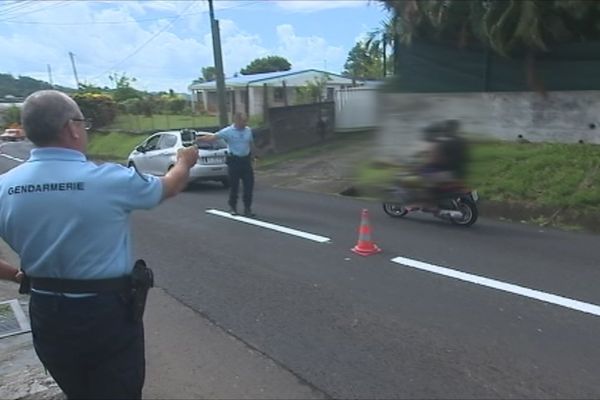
(14, 8)
(170, 25)
(15, 5)
(100, 22)
(49, 6)
(241, 5)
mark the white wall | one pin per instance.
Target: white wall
(564, 117)
(355, 109)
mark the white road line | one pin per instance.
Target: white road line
(267, 225)
(507, 287)
(12, 158)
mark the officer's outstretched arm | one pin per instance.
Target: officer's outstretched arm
(177, 178)
(206, 138)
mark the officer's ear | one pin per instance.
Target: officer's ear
(72, 131)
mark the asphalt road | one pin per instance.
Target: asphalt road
(13, 153)
(367, 327)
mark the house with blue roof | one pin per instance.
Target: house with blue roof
(254, 93)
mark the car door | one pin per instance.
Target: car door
(167, 149)
(144, 162)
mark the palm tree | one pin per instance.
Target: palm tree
(503, 25)
(506, 27)
(380, 38)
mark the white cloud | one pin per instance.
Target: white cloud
(170, 60)
(318, 5)
(307, 51)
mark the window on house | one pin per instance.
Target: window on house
(278, 94)
(330, 93)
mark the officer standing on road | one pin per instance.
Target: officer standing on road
(68, 219)
(239, 138)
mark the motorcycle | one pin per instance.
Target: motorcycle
(456, 204)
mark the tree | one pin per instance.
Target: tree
(101, 108)
(266, 64)
(502, 25)
(123, 89)
(313, 91)
(209, 74)
(86, 87)
(23, 86)
(511, 28)
(383, 37)
(12, 116)
(364, 62)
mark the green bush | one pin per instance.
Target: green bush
(12, 116)
(101, 108)
(176, 105)
(131, 106)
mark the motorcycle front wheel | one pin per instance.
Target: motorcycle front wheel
(394, 210)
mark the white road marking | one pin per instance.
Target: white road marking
(267, 225)
(11, 158)
(507, 287)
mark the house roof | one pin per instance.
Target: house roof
(272, 78)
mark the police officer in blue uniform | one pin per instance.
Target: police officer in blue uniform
(239, 161)
(69, 221)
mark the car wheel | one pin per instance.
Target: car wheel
(225, 183)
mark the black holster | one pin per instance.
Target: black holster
(25, 285)
(142, 279)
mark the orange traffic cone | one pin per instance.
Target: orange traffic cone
(365, 247)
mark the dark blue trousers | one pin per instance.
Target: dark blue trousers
(240, 168)
(90, 345)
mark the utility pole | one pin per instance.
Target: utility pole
(50, 75)
(74, 68)
(216, 38)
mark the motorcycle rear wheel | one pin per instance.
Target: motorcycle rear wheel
(470, 213)
(394, 210)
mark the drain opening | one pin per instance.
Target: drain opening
(12, 319)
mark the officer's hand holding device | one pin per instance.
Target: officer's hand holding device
(189, 155)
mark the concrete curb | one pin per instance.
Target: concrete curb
(22, 375)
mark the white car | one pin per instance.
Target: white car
(157, 154)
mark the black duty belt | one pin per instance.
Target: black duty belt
(81, 286)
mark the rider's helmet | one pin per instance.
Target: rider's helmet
(451, 146)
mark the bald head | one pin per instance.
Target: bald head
(45, 114)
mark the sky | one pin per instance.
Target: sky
(165, 44)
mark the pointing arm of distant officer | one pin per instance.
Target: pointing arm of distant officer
(212, 138)
(9, 273)
(176, 179)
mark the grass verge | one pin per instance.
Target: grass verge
(141, 123)
(112, 146)
(549, 175)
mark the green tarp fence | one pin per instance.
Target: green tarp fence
(427, 67)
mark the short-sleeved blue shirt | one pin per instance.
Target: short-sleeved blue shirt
(68, 218)
(239, 140)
